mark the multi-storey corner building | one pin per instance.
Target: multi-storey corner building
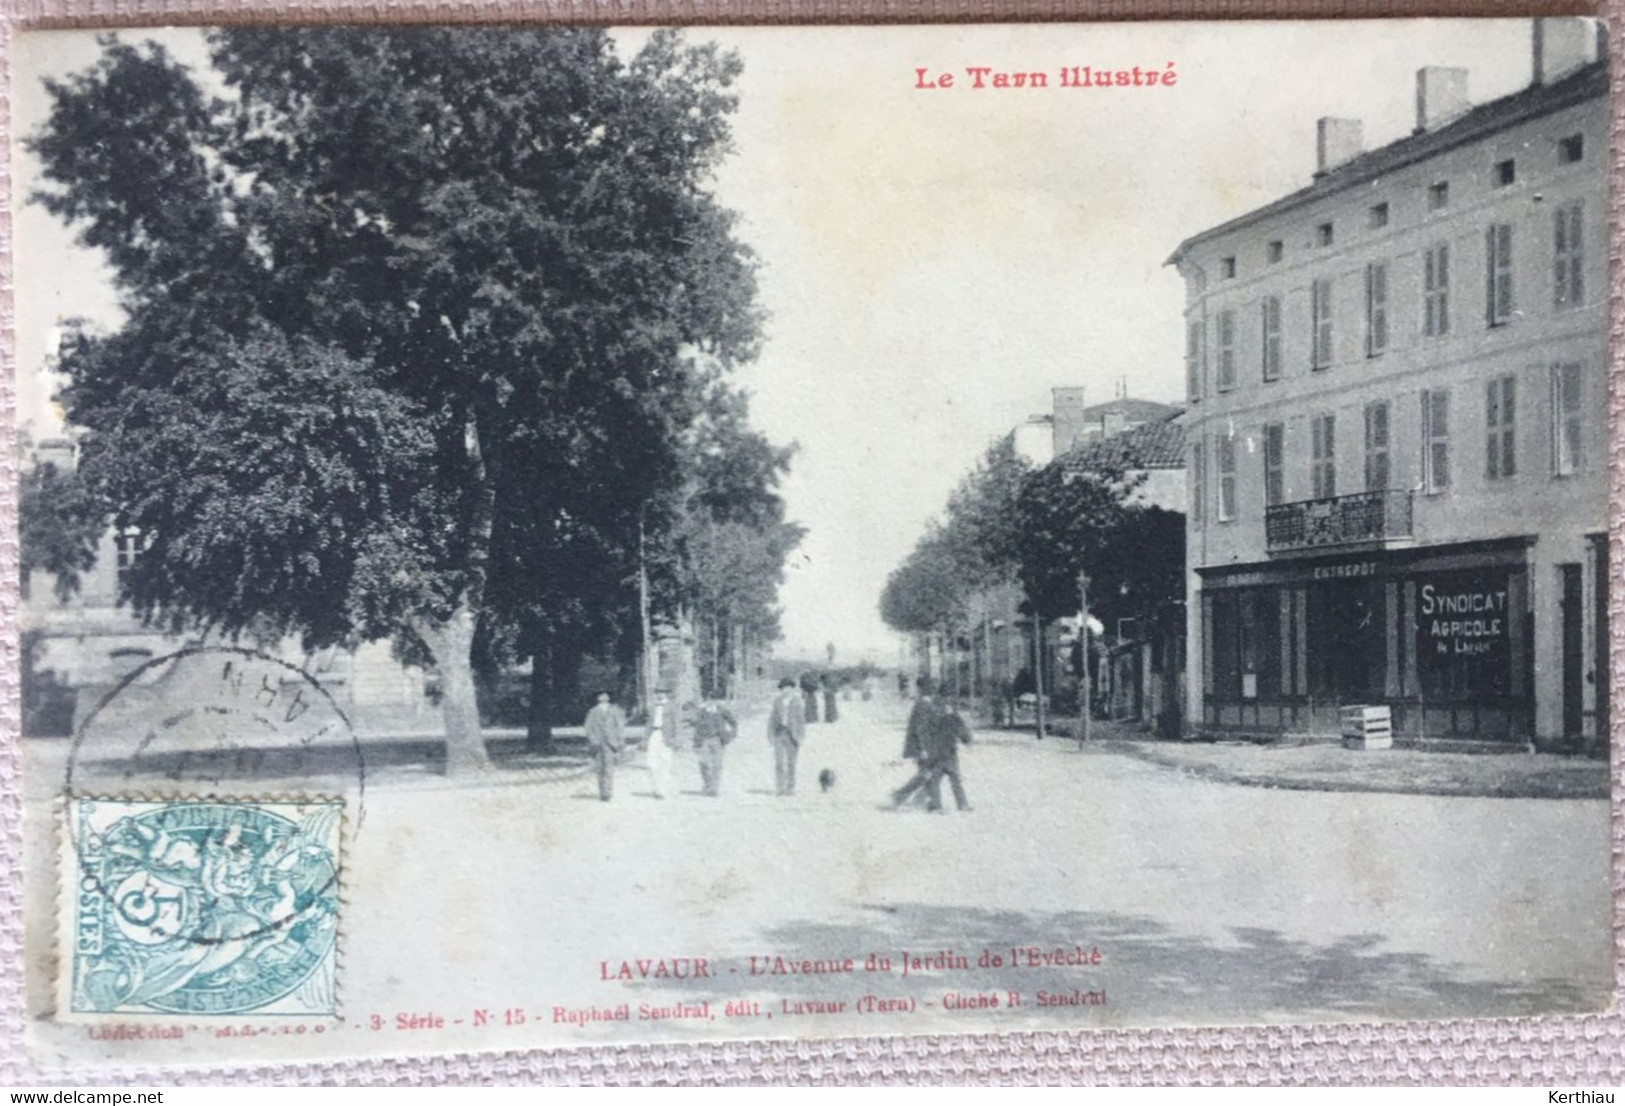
(1398, 435)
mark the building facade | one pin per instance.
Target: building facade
(80, 648)
(1398, 434)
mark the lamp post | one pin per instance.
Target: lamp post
(1038, 674)
(645, 669)
(1084, 695)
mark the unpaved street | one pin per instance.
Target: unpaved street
(1207, 902)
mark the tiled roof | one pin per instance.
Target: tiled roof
(1588, 82)
(1152, 445)
(1132, 410)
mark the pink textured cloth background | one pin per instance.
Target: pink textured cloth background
(1562, 1051)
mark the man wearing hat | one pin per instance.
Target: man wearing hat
(786, 727)
(606, 736)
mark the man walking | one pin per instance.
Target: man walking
(786, 727)
(919, 740)
(949, 732)
(606, 737)
(714, 729)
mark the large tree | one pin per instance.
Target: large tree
(413, 319)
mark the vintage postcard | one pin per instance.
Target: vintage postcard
(541, 536)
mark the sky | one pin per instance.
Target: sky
(935, 259)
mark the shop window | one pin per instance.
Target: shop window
(1568, 256)
(1566, 416)
(1436, 291)
(1435, 441)
(1500, 423)
(1376, 308)
(1274, 469)
(1246, 644)
(1323, 456)
(1347, 640)
(1376, 447)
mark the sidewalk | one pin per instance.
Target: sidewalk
(1330, 767)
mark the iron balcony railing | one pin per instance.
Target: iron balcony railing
(1343, 520)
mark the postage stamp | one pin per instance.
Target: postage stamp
(201, 910)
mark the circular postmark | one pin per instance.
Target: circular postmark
(205, 907)
(205, 799)
(216, 720)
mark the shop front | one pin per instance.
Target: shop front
(1443, 636)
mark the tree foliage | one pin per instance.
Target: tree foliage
(984, 514)
(1140, 570)
(927, 592)
(973, 549)
(1067, 520)
(416, 320)
(59, 522)
(727, 560)
(1041, 528)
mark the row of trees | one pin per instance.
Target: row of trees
(426, 335)
(1008, 523)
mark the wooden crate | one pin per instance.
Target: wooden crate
(1365, 727)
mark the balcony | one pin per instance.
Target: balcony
(1365, 519)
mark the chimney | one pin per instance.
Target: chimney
(1441, 95)
(1336, 141)
(1068, 422)
(1113, 422)
(1561, 47)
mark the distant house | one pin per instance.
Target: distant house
(1152, 452)
(1146, 440)
(1069, 423)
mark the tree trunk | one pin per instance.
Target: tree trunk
(539, 723)
(451, 644)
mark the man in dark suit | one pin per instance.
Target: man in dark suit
(919, 739)
(949, 732)
(786, 727)
(606, 736)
